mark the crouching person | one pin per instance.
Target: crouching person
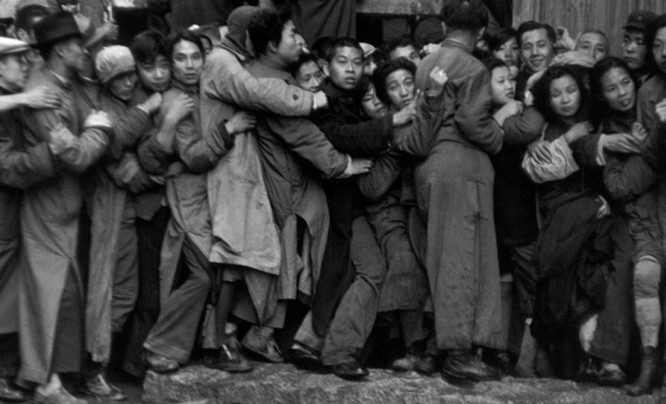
(50, 286)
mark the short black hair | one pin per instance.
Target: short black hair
(382, 73)
(266, 26)
(303, 59)
(26, 16)
(147, 46)
(541, 90)
(468, 16)
(528, 26)
(184, 35)
(321, 45)
(493, 63)
(650, 33)
(501, 37)
(344, 42)
(396, 43)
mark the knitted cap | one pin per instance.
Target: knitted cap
(113, 61)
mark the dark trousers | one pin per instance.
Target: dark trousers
(150, 235)
(355, 316)
(616, 320)
(173, 334)
(68, 346)
(9, 354)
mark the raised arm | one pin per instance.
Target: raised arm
(226, 79)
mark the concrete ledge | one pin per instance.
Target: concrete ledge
(286, 384)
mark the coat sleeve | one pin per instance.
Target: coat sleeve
(225, 78)
(309, 142)
(199, 153)
(384, 173)
(153, 156)
(367, 138)
(127, 131)
(417, 139)
(561, 165)
(21, 168)
(628, 179)
(525, 128)
(473, 117)
(128, 174)
(655, 146)
(85, 150)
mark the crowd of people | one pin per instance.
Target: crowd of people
(489, 202)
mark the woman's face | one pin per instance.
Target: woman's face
(618, 89)
(372, 106)
(565, 96)
(503, 85)
(508, 52)
(400, 88)
(187, 62)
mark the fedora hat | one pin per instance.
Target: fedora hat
(54, 28)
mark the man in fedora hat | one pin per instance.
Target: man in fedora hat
(21, 168)
(50, 294)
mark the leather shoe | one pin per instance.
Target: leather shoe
(98, 386)
(588, 372)
(303, 357)
(161, 364)
(405, 364)
(228, 358)
(466, 366)
(260, 341)
(58, 396)
(350, 371)
(9, 393)
(611, 376)
(427, 364)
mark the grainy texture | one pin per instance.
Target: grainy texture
(576, 15)
(284, 384)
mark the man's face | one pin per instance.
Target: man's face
(408, 52)
(290, 47)
(309, 76)
(634, 51)
(593, 44)
(73, 54)
(536, 50)
(187, 62)
(155, 76)
(14, 71)
(346, 67)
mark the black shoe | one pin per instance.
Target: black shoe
(98, 386)
(611, 375)
(161, 364)
(588, 372)
(426, 364)
(303, 357)
(463, 365)
(11, 394)
(228, 358)
(501, 360)
(350, 371)
(646, 378)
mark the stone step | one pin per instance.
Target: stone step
(284, 384)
